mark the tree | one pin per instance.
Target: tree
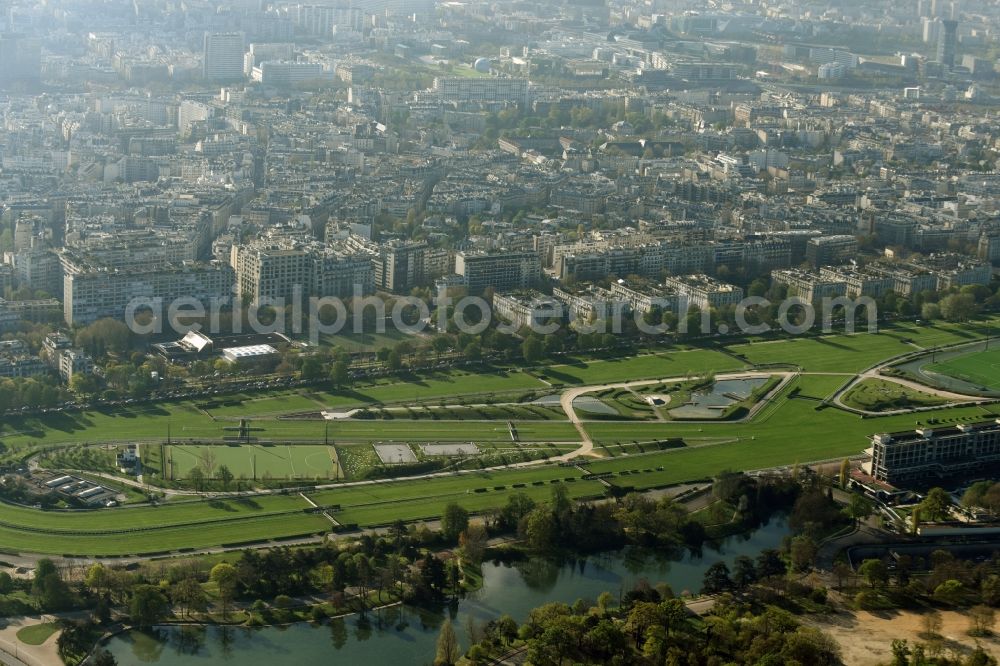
(225, 577)
(83, 383)
(473, 352)
(859, 508)
(539, 529)
(875, 572)
(958, 307)
(561, 503)
(845, 468)
(473, 542)
(52, 591)
(803, 552)
(990, 590)
(189, 595)
(96, 579)
(744, 572)
(507, 629)
(769, 563)
(225, 475)
(208, 462)
(936, 506)
(981, 620)
(103, 336)
(196, 478)
(951, 592)
(842, 572)
(395, 360)
(148, 606)
(454, 521)
(643, 615)
(340, 375)
(930, 311)
(716, 579)
(931, 623)
(532, 349)
(447, 651)
(311, 369)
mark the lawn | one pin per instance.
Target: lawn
(853, 353)
(178, 513)
(253, 461)
(159, 540)
(833, 353)
(367, 342)
(151, 424)
(878, 395)
(36, 634)
(648, 366)
(981, 368)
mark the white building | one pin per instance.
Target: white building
(222, 57)
(486, 89)
(286, 73)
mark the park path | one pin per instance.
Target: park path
(15, 653)
(876, 373)
(587, 444)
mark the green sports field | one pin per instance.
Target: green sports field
(981, 368)
(248, 461)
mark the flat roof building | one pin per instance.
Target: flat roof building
(929, 454)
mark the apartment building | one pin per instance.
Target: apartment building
(12, 313)
(401, 266)
(831, 250)
(704, 292)
(859, 283)
(503, 271)
(288, 268)
(72, 362)
(588, 304)
(644, 299)
(528, 308)
(809, 286)
(93, 292)
(907, 281)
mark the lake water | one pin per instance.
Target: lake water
(403, 635)
(711, 404)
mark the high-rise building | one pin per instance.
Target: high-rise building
(947, 43)
(20, 59)
(930, 30)
(222, 59)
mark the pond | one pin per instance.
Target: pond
(711, 404)
(407, 635)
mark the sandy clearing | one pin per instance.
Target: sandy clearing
(866, 638)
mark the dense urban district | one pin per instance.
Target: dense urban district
(491, 332)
